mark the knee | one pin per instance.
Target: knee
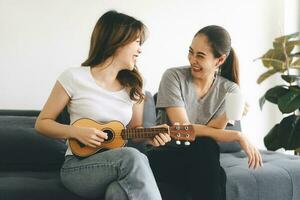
(207, 143)
(133, 155)
(206, 146)
(114, 191)
(205, 140)
(134, 161)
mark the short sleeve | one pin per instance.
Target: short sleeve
(169, 92)
(234, 88)
(66, 80)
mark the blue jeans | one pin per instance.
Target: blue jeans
(117, 174)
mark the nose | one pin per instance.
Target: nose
(192, 58)
(139, 50)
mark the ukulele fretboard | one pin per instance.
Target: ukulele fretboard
(142, 133)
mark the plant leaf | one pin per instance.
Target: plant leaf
(271, 140)
(265, 75)
(273, 94)
(290, 78)
(279, 46)
(293, 43)
(289, 132)
(285, 135)
(296, 63)
(262, 101)
(295, 54)
(274, 58)
(294, 88)
(273, 62)
(290, 101)
(287, 37)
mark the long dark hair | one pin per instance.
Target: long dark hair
(112, 31)
(220, 43)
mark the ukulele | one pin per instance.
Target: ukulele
(118, 135)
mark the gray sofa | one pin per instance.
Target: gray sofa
(30, 162)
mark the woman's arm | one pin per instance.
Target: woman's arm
(214, 129)
(137, 122)
(46, 124)
(178, 114)
(219, 122)
(137, 115)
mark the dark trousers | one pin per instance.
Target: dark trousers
(195, 168)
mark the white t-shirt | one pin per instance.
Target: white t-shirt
(89, 100)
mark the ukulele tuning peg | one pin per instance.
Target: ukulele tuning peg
(178, 142)
(187, 143)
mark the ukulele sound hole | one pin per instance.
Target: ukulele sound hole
(110, 135)
(81, 144)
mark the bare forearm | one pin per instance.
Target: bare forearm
(219, 135)
(54, 129)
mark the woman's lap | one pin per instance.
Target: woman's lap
(90, 177)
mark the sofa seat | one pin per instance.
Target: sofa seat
(30, 163)
(278, 179)
(44, 185)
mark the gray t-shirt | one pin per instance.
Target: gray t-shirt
(177, 89)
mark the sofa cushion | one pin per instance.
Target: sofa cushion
(230, 147)
(149, 115)
(278, 179)
(27, 185)
(28, 150)
(17, 121)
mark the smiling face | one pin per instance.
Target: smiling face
(127, 55)
(203, 63)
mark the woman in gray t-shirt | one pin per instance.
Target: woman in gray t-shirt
(195, 95)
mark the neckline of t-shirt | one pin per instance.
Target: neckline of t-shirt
(98, 86)
(201, 99)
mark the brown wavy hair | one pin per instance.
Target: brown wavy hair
(112, 31)
(220, 43)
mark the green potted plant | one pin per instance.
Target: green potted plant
(283, 58)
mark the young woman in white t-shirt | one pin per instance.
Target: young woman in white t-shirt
(108, 87)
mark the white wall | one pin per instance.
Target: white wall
(39, 39)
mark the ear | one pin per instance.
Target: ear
(221, 60)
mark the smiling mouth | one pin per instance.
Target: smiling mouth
(197, 69)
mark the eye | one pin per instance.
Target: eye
(200, 56)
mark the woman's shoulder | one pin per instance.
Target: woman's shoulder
(72, 72)
(182, 71)
(75, 70)
(226, 84)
